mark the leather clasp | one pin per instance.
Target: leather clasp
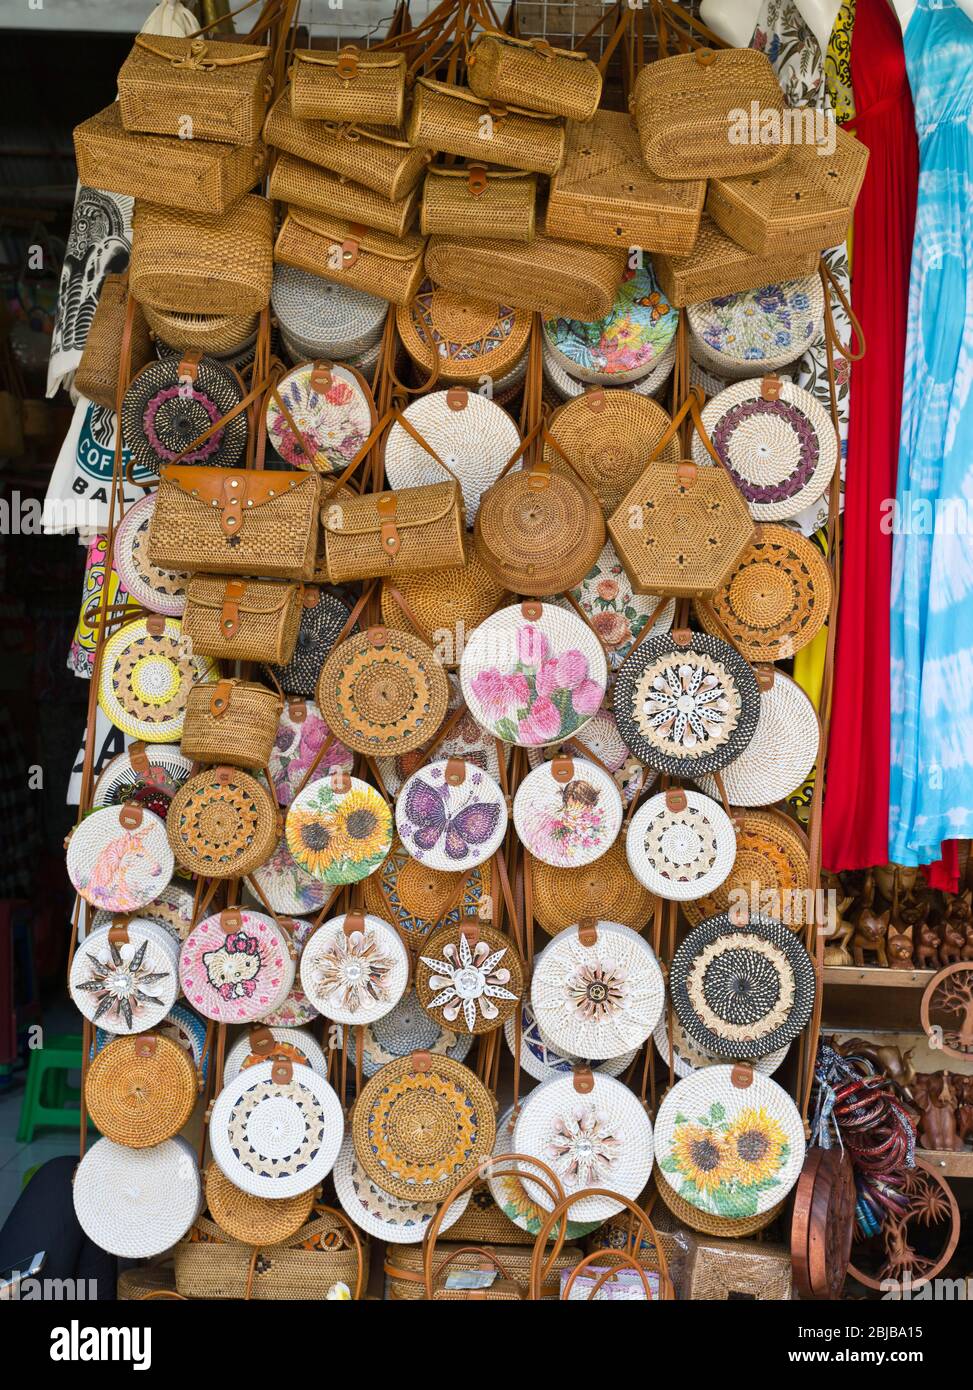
(189, 365)
(741, 1075)
(130, 816)
(311, 596)
(531, 610)
(351, 246)
(340, 783)
(765, 676)
(457, 397)
(297, 710)
(562, 770)
(455, 772)
(354, 922)
(421, 1062)
(118, 931)
(686, 472)
(471, 930)
(220, 699)
(770, 387)
(224, 776)
(231, 509)
(261, 1041)
(594, 399)
(676, 799)
(231, 920)
(387, 507)
(282, 1071)
(321, 378)
(588, 931)
(155, 625)
(377, 637)
(347, 65)
(476, 180)
(681, 636)
(584, 1081)
(145, 1044)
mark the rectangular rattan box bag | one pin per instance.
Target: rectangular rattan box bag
(479, 202)
(529, 72)
(604, 194)
(201, 263)
(457, 121)
(354, 84)
(385, 534)
(195, 88)
(554, 277)
(718, 266)
(242, 619)
(308, 186)
(376, 262)
(231, 721)
(196, 175)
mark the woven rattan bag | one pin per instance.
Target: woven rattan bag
(97, 373)
(384, 534)
(195, 88)
(203, 263)
(529, 72)
(347, 252)
(231, 722)
(141, 1090)
(686, 108)
(222, 824)
(717, 267)
(242, 619)
(479, 202)
(382, 159)
(196, 175)
(404, 1267)
(228, 521)
(354, 84)
(324, 1252)
(332, 195)
(554, 277)
(217, 335)
(453, 120)
(471, 338)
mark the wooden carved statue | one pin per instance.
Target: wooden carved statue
(967, 952)
(927, 947)
(964, 1108)
(886, 1057)
(836, 949)
(898, 947)
(953, 941)
(938, 1126)
(869, 937)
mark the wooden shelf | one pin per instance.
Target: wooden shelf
(951, 1165)
(879, 976)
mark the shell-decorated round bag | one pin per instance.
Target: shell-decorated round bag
(137, 1203)
(355, 968)
(533, 674)
(408, 1028)
(771, 857)
(323, 318)
(471, 338)
(608, 437)
(607, 887)
(301, 732)
(126, 980)
(383, 692)
(614, 610)
(729, 1143)
(146, 674)
(320, 416)
(119, 857)
(594, 1132)
(421, 1125)
(276, 1129)
(469, 976)
(568, 812)
(253, 1048)
(742, 991)
(539, 1057)
(339, 829)
(400, 1220)
(323, 618)
(776, 440)
(236, 966)
(158, 590)
(150, 776)
(417, 898)
(756, 331)
(686, 706)
(680, 844)
(472, 435)
(627, 343)
(451, 815)
(222, 824)
(688, 1056)
(162, 415)
(512, 1194)
(597, 990)
(782, 751)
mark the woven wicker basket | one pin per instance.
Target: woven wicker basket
(607, 888)
(354, 84)
(222, 824)
(196, 175)
(201, 263)
(476, 202)
(685, 108)
(146, 1281)
(539, 533)
(608, 435)
(254, 1220)
(387, 266)
(318, 1256)
(451, 120)
(484, 1223)
(383, 692)
(604, 195)
(242, 619)
(554, 277)
(404, 1266)
(427, 520)
(743, 335)
(319, 190)
(448, 604)
(471, 338)
(804, 204)
(97, 373)
(137, 1202)
(219, 335)
(381, 158)
(231, 722)
(529, 72)
(140, 1090)
(717, 266)
(210, 89)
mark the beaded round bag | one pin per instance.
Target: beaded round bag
(162, 416)
(323, 619)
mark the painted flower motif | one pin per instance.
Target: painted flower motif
(352, 971)
(701, 1157)
(120, 988)
(316, 833)
(499, 693)
(612, 628)
(543, 699)
(468, 979)
(541, 725)
(757, 1146)
(687, 704)
(607, 590)
(599, 991)
(583, 1147)
(532, 646)
(364, 825)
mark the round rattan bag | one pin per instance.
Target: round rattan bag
(319, 416)
(742, 991)
(729, 1142)
(533, 674)
(222, 824)
(614, 610)
(125, 980)
(141, 1090)
(276, 1129)
(236, 966)
(404, 1029)
(146, 673)
(137, 1203)
(451, 815)
(163, 413)
(539, 532)
(323, 318)
(301, 733)
(686, 706)
(417, 898)
(568, 812)
(743, 335)
(687, 1056)
(397, 1219)
(771, 857)
(118, 858)
(254, 1220)
(562, 385)
(597, 990)
(471, 338)
(254, 1047)
(539, 1057)
(448, 604)
(781, 753)
(421, 1125)
(608, 436)
(339, 829)
(624, 346)
(158, 590)
(594, 1132)
(383, 692)
(221, 335)
(469, 976)
(323, 619)
(464, 739)
(776, 600)
(150, 777)
(355, 968)
(777, 441)
(607, 887)
(705, 1222)
(680, 845)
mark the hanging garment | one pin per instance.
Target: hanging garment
(855, 829)
(931, 782)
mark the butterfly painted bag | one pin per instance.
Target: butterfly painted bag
(451, 815)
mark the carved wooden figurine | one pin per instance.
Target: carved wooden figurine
(964, 1110)
(898, 947)
(927, 948)
(836, 949)
(869, 936)
(938, 1128)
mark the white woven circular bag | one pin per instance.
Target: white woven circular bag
(323, 318)
(539, 1057)
(297, 1043)
(119, 857)
(568, 812)
(355, 968)
(236, 966)
(276, 1138)
(742, 335)
(396, 1219)
(681, 845)
(781, 753)
(152, 784)
(147, 670)
(137, 1203)
(408, 1028)
(600, 737)
(451, 815)
(512, 1194)
(596, 1136)
(126, 986)
(597, 990)
(158, 590)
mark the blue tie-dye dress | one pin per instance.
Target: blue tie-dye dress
(931, 787)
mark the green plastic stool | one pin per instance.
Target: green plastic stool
(49, 1102)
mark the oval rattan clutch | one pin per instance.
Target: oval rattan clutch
(781, 753)
(158, 590)
(324, 319)
(404, 1029)
(680, 845)
(469, 338)
(608, 435)
(567, 812)
(319, 416)
(118, 857)
(539, 532)
(469, 976)
(125, 981)
(539, 1057)
(162, 413)
(448, 604)
(451, 815)
(624, 346)
(607, 888)
(140, 1090)
(756, 331)
(383, 692)
(236, 966)
(771, 857)
(254, 1220)
(137, 1203)
(222, 824)
(218, 335)
(397, 1219)
(417, 898)
(614, 610)
(355, 968)
(339, 829)
(146, 674)
(421, 1125)
(323, 618)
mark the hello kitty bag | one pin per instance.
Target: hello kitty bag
(237, 966)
